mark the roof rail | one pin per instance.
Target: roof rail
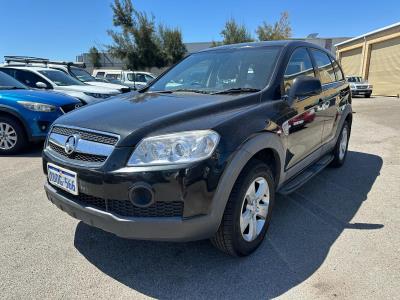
(25, 59)
(45, 61)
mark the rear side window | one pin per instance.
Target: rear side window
(100, 75)
(113, 76)
(338, 71)
(299, 65)
(324, 65)
(30, 79)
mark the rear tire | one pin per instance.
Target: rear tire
(12, 136)
(247, 214)
(340, 150)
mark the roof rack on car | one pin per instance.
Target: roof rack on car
(38, 60)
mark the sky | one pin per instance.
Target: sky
(60, 30)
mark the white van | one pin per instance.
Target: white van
(133, 79)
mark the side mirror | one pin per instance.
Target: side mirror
(305, 86)
(41, 85)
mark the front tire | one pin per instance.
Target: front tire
(340, 150)
(12, 136)
(248, 212)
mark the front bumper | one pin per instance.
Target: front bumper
(361, 92)
(162, 229)
(192, 186)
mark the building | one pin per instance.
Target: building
(376, 57)
(326, 43)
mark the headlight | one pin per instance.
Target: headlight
(370, 86)
(176, 148)
(97, 95)
(36, 106)
(352, 85)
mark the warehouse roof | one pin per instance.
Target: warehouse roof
(368, 33)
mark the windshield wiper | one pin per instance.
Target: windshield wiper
(4, 87)
(181, 90)
(237, 91)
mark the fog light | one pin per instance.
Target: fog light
(141, 195)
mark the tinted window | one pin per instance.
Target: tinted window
(299, 65)
(29, 78)
(338, 71)
(148, 77)
(130, 76)
(100, 75)
(213, 71)
(60, 78)
(324, 66)
(6, 81)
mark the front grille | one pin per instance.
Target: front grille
(86, 135)
(125, 208)
(70, 107)
(362, 87)
(77, 155)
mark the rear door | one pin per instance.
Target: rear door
(304, 128)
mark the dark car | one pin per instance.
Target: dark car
(26, 114)
(201, 152)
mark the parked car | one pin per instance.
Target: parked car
(135, 80)
(43, 77)
(359, 86)
(85, 77)
(26, 115)
(205, 159)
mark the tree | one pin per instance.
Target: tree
(139, 43)
(94, 57)
(234, 33)
(171, 44)
(279, 31)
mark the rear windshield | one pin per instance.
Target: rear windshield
(214, 71)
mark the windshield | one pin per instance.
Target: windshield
(7, 82)
(355, 79)
(60, 78)
(82, 75)
(220, 70)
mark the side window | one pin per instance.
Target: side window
(100, 75)
(8, 71)
(140, 77)
(324, 66)
(130, 77)
(113, 76)
(298, 65)
(30, 79)
(148, 78)
(338, 71)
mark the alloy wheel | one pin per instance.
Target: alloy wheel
(343, 143)
(254, 209)
(8, 136)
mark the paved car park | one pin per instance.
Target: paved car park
(336, 237)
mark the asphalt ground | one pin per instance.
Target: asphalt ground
(338, 237)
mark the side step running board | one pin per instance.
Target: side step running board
(306, 175)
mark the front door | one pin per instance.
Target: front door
(303, 129)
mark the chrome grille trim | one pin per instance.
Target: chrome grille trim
(92, 150)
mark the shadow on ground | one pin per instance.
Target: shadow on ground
(33, 150)
(304, 227)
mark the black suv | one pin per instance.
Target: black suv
(201, 152)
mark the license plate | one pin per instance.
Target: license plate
(63, 178)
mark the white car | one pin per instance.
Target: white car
(133, 79)
(85, 77)
(359, 86)
(51, 79)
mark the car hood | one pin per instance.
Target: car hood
(88, 89)
(47, 97)
(142, 114)
(107, 85)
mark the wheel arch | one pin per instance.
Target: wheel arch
(10, 112)
(266, 147)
